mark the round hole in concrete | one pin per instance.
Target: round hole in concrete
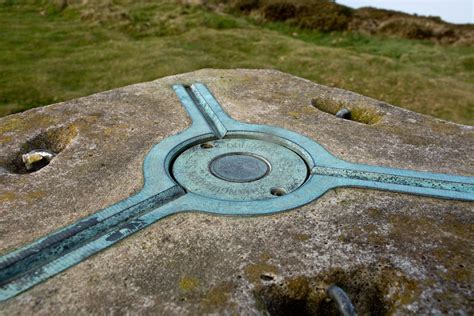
(37, 152)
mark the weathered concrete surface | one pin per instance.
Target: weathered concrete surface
(391, 252)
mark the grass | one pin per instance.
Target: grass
(49, 55)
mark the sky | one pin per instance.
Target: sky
(454, 11)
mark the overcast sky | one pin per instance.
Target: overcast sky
(455, 11)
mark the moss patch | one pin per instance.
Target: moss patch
(188, 283)
(216, 299)
(7, 196)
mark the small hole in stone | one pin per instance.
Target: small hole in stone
(38, 151)
(364, 115)
(266, 277)
(307, 295)
(277, 191)
(207, 146)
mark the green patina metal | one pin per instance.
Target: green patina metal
(219, 166)
(195, 169)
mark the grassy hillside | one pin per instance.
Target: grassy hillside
(55, 52)
(327, 15)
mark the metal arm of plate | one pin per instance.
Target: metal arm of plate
(346, 174)
(162, 196)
